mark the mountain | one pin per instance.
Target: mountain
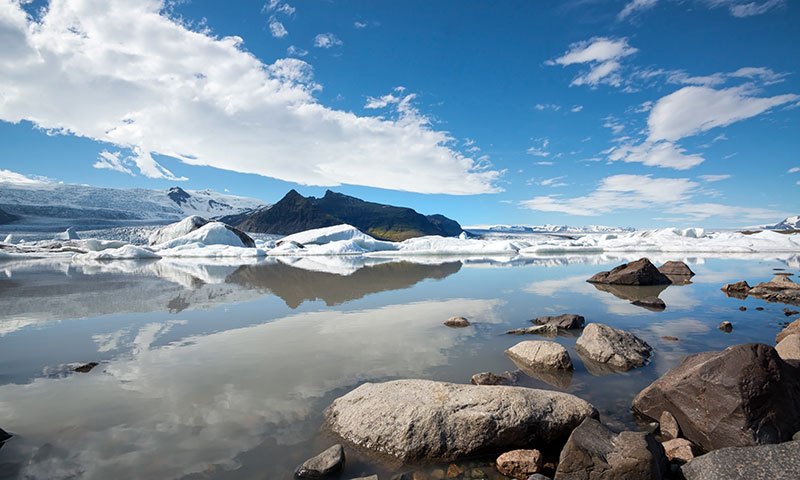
(43, 204)
(295, 213)
(790, 223)
(6, 217)
(547, 228)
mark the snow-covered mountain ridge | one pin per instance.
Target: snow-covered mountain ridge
(547, 228)
(43, 204)
(789, 223)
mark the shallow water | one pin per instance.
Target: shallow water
(223, 371)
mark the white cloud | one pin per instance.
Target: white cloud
(104, 74)
(576, 108)
(278, 7)
(553, 182)
(112, 161)
(326, 40)
(793, 170)
(602, 54)
(635, 6)
(277, 29)
(636, 192)
(739, 9)
(691, 110)
(296, 51)
(547, 106)
(7, 176)
(360, 24)
(544, 163)
(540, 150)
(714, 178)
(660, 154)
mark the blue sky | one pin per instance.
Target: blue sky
(645, 113)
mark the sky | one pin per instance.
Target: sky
(644, 113)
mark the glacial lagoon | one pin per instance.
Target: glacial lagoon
(211, 369)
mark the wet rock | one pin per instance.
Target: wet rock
(678, 449)
(557, 378)
(780, 289)
(595, 452)
(489, 378)
(789, 313)
(672, 339)
(738, 290)
(326, 463)
(538, 476)
(789, 347)
(678, 269)
(86, 367)
(414, 420)
(778, 462)
(651, 303)
(566, 321)
(726, 327)
(790, 329)
(759, 308)
(669, 426)
(457, 322)
(371, 477)
(616, 349)
(539, 354)
(520, 464)
(453, 471)
(640, 272)
(4, 436)
(544, 330)
(743, 395)
(402, 476)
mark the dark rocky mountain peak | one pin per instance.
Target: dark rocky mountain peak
(178, 195)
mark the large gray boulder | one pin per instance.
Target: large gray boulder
(593, 452)
(789, 347)
(566, 321)
(540, 354)
(611, 349)
(415, 420)
(774, 462)
(744, 395)
(791, 329)
(640, 272)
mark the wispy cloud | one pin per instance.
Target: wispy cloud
(635, 6)
(360, 24)
(576, 108)
(793, 170)
(114, 161)
(206, 101)
(277, 29)
(547, 106)
(540, 150)
(296, 51)
(659, 154)
(714, 178)
(7, 176)
(737, 8)
(602, 54)
(327, 40)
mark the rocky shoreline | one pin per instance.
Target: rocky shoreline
(725, 414)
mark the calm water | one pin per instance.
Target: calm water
(223, 371)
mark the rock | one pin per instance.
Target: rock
(669, 426)
(520, 463)
(759, 308)
(777, 462)
(790, 329)
(615, 349)
(326, 463)
(453, 471)
(457, 322)
(640, 272)
(489, 378)
(738, 290)
(789, 313)
(742, 308)
(544, 330)
(540, 354)
(789, 347)
(4, 436)
(796, 436)
(678, 269)
(678, 449)
(743, 395)
(538, 476)
(725, 327)
(672, 339)
(371, 477)
(595, 452)
(402, 476)
(566, 321)
(780, 289)
(414, 420)
(86, 367)
(651, 303)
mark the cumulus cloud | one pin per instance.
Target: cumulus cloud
(636, 192)
(296, 51)
(126, 74)
(602, 55)
(659, 154)
(326, 40)
(694, 109)
(277, 29)
(635, 6)
(7, 176)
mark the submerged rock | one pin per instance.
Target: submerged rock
(777, 462)
(738, 290)
(86, 367)
(539, 354)
(566, 321)
(489, 378)
(595, 452)
(678, 269)
(640, 272)
(726, 327)
(615, 349)
(743, 395)
(651, 303)
(520, 464)
(457, 322)
(544, 330)
(414, 420)
(326, 463)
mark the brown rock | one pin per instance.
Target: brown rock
(543, 330)
(667, 337)
(789, 347)
(86, 367)
(457, 322)
(489, 378)
(669, 426)
(676, 268)
(790, 329)
(651, 303)
(520, 464)
(640, 272)
(737, 290)
(743, 395)
(566, 321)
(454, 471)
(780, 289)
(678, 449)
(725, 327)
(742, 308)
